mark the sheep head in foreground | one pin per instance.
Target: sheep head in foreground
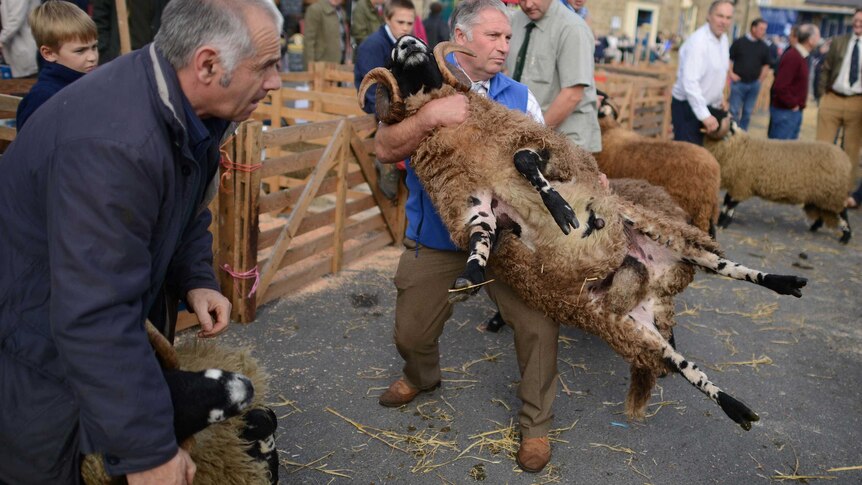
(598, 262)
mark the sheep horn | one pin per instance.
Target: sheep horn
(440, 52)
(383, 76)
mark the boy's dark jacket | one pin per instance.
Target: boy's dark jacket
(52, 78)
(101, 185)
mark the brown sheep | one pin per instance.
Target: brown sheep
(613, 275)
(688, 172)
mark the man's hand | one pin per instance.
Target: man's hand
(448, 111)
(397, 141)
(710, 124)
(206, 304)
(179, 470)
(734, 77)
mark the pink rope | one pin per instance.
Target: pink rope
(244, 275)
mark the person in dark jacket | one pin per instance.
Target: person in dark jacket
(790, 89)
(66, 37)
(436, 27)
(145, 16)
(102, 219)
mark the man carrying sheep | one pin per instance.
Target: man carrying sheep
(102, 218)
(704, 59)
(431, 261)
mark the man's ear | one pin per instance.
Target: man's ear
(460, 37)
(207, 65)
(48, 53)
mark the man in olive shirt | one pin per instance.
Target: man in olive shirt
(557, 65)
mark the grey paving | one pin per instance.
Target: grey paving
(330, 351)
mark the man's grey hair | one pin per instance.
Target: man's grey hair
(805, 31)
(190, 24)
(466, 15)
(716, 3)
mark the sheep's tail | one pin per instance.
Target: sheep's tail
(781, 284)
(736, 410)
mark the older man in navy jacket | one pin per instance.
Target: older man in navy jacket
(103, 212)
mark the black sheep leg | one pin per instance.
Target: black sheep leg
(726, 215)
(483, 235)
(529, 165)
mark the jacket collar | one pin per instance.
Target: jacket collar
(55, 71)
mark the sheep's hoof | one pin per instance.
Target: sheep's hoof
(737, 410)
(785, 284)
(845, 237)
(495, 323)
(724, 220)
(560, 210)
(463, 289)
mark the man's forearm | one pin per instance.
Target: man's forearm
(563, 105)
(394, 143)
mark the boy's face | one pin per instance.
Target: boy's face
(74, 54)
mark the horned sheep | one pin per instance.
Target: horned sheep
(812, 173)
(688, 172)
(601, 247)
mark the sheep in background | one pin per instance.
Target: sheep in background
(811, 173)
(689, 173)
(613, 274)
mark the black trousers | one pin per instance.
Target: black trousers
(686, 126)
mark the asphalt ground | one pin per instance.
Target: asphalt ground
(796, 362)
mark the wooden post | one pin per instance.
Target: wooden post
(238, 222)
(123, 27)
(247, 192)
(340, 200)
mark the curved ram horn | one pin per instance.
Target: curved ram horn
(440, 52)
(389, 107)
(383, 76)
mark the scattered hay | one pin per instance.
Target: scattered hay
(467, 365)
(615, 448)
(762, 311)
(285, 403)
(754, 363)
(423, 445)
(845, 468)
(343, 473)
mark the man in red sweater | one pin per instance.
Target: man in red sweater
(790, 88)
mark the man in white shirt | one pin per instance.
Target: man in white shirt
(841, 102)
(704, 60)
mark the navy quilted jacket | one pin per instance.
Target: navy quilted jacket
(102, 207)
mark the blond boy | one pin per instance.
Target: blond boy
(67, 41)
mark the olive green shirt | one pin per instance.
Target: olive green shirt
(364, 21)
(323, 34)
(560, 54)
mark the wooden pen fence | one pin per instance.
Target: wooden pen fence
(643, 101)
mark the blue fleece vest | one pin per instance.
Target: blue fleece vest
(423, 223)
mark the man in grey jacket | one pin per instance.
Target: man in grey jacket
(102, 214)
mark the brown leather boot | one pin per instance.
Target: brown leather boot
(400, 393)
(534, 454)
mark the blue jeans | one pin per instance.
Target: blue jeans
(743, 97)
(784, 124)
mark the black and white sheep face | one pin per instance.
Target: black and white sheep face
(410, 51)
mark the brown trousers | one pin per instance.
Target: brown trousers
(423, 279)
(834, 112)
